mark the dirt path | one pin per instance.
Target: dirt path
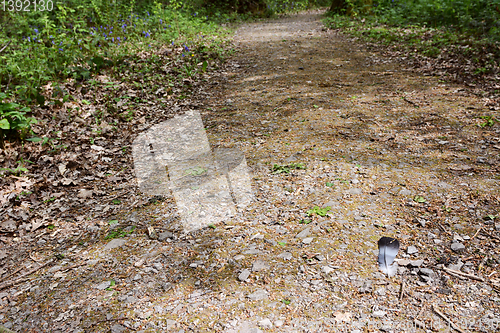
(391, 153)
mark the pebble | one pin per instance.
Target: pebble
(426, 271)
(285, 255)
(259, 265)
(266, 323)
(114, 243)
(164, 235)
(278, 323)
(379, 314)
(405, 192)
(412, 250)
(258, 295)
(402, 262)
(103, 285)
(244, 275)
(304, 233)
(355, 191)
(117, 328)
(326, 269)
(457, 247)
(416, 263)
(308, 240)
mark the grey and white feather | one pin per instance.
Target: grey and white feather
(387, 250)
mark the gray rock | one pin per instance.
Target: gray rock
(380, 291)
(402, 262)
(131, 299)
(258, 295)
(457, 247)
(379, 314)
(497, 226)
(114, 243)
(327, 269)
(456, 267)
(416, 263)
(239, 257)
(8, 225)
(405, 192)
(171, 324)
(265, 323)
(304, 233)
(426, 271)
(308, 240)
(164, 235)
(252, 251)
(412, 250)
(355, 191)
(244, 275)
(420, 221)
(285, 255)
(278, 323)
(118, 328)
(103, 285)
(259, 265)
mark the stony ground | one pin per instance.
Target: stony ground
(389, 152)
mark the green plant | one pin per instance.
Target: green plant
(319, 211)
(419, 199)
(13, 119)
(118, 233)
(489, 121)
(277, 169)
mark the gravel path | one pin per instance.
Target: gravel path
(386, 153)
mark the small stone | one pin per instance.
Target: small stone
(278, 323)
(252, 251)
(244, 275)
(103, 285)
(412, 250)
(118, 328)
(266, 323)
(416, 263)
(379, 314)
(304, 233)
(355, 191)
(239, 257)
(285, 255)
(8, 226)
(403, 262)
(259, 265)
(380, 291)
(114, 243)
(457, 247)
(426, 271)
(164, 235)
(259, 294)
(405, 192)
(171, 324)
(327, 269)
(308, 240)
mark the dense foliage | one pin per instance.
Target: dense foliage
(481, 17)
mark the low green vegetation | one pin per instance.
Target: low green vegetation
(277, 169)
(466, 32)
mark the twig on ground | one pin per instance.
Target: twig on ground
(448, 320)
(470, 276)
(24, 277)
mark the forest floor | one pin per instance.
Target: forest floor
(391, 152)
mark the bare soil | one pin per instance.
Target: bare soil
(391, 152)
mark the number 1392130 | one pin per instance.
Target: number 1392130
(26, 5)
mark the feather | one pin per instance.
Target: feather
(387, 250)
